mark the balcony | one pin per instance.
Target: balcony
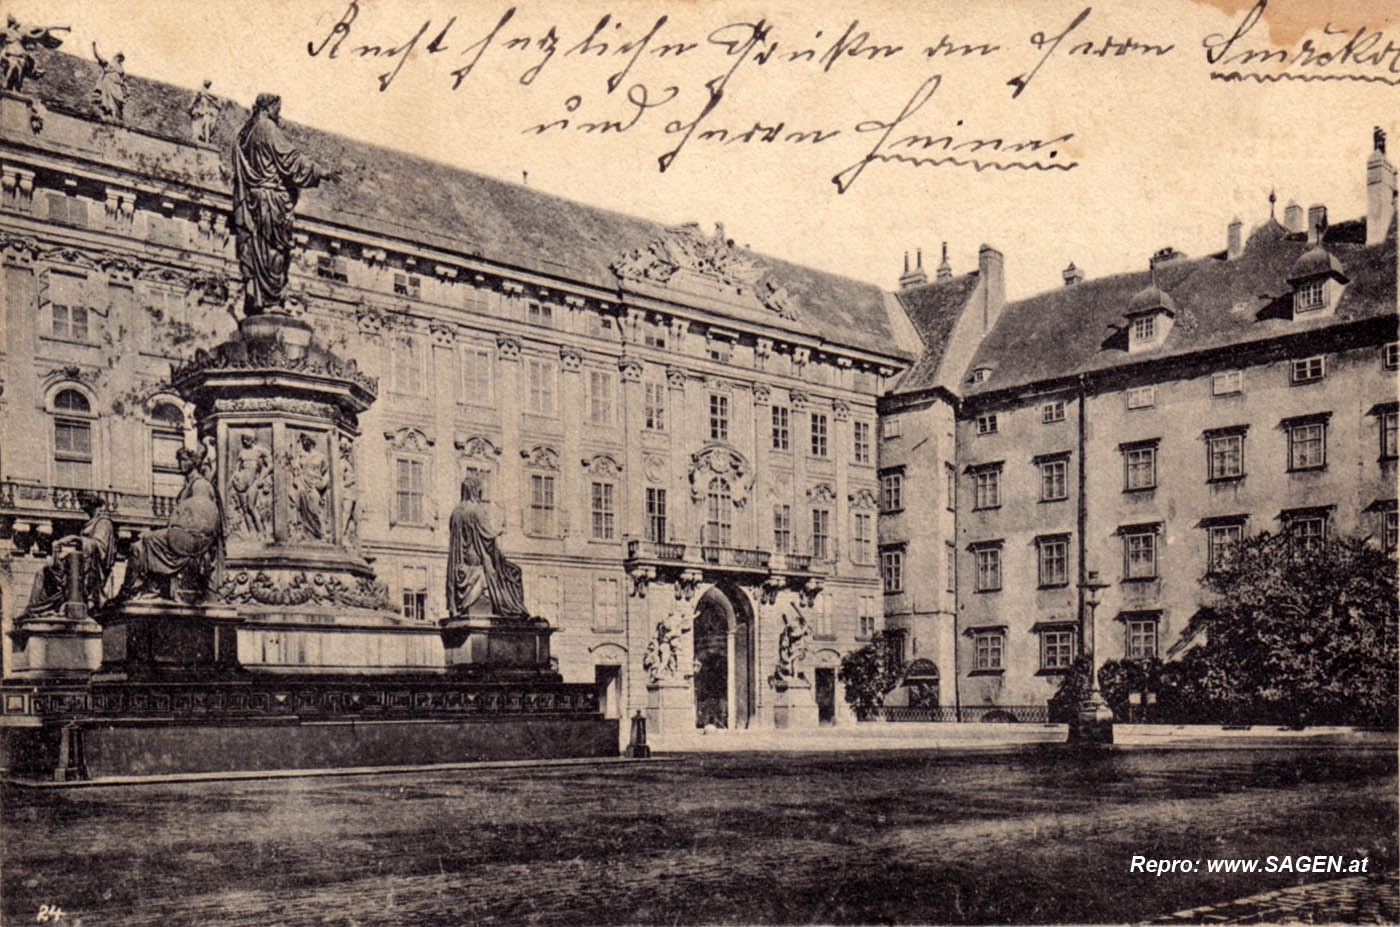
(31, 508)
(739, 558)
(656, 551)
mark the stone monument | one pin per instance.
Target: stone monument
(670, 704)
(794, 705)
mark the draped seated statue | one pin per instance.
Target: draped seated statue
(185, 549)
(478, 574)
(96, 549)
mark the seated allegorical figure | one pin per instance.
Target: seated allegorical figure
(475, 565)
(97, 545)
(185, 546)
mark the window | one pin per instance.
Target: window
(1225, 456)
(720, 350)
(1221, 543)
(1309, 296)
(1309, 369)
(408, 490)
(656, 515)
(1054, 479)
(782, 528)
(818, 434)
(1139, 467)
(987, 650)
(1307, 530)
(866, 628)
(1226, 382)
(988, 560)
(1307, 446)
(541, 376)
(167, 437)
(600, 397)
(1053, 559)
(891, 492)
(543, 595)
(72, 439)
(476, 376)
(607, 604)
(950, 567)
(986, 488)
(1388, 450)
(1056, 649)
(891, 428)
(66, 298)
(654, 406)
(1390, 529)
(821, 534)
(861, 449)
(981, 374)
(1144, 328)
(950, 489)
(863, 538)
(987, 424)
(780, 428)
(719, 417)
(719, 524)
(415, 593)
(542, 505)
(1142, 397)
(408, 285)
(331, 268)
(892, 570)
(604, 511)
(1140, 553)
(1052, 412)
(538, 313)
(1390, 355)
(1142, 638)
(654, 335)
(408, 366)
(820, 613)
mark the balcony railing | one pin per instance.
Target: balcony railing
(1024, 714)
(655, 550)
(38, 498)
(798, 563)
(738, 557)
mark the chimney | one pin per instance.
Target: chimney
(991, 267)
(1317, 223)
(1293, 217)
(1234, 238)
(1380, 190)
(1072, 274)
(915, 277)
(945, 270)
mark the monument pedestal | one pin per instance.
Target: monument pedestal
(55, 648)
(794, 706)
(670, 709)
(163, 640)
(492, 647)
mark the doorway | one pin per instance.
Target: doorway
(723, 641)
(607, 681)
(826, 694)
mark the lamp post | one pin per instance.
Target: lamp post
(1095, 722)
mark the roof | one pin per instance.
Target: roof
(455, 209)
(1080, 328)
(1315, 261)
(934, 308)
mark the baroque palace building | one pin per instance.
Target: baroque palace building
(677, 434)
(691, 444)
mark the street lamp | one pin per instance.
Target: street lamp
(1095, 717)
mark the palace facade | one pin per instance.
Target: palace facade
(675, 431)
(691, 444)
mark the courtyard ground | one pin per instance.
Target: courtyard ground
(1035, 833)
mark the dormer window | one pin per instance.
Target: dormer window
(1149, 316)
(1317, 281)
(1144, 328)
(981, 374)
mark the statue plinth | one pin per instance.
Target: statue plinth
(794, 705)
(670, 707)
(61, 646)
(159, 639)
(494, 647)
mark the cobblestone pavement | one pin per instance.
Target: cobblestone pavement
(1039, 834)
(1354, 900)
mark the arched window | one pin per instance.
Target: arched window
(719, 524)
(167, 437)
(72, 439)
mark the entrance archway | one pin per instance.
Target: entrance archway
(723, 641)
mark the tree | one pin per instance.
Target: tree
(871, 672)
(1297, 634)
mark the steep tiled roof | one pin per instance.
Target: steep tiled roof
(1081, 328)
(447, 207)
(934, 309)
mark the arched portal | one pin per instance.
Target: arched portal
(723, 640)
